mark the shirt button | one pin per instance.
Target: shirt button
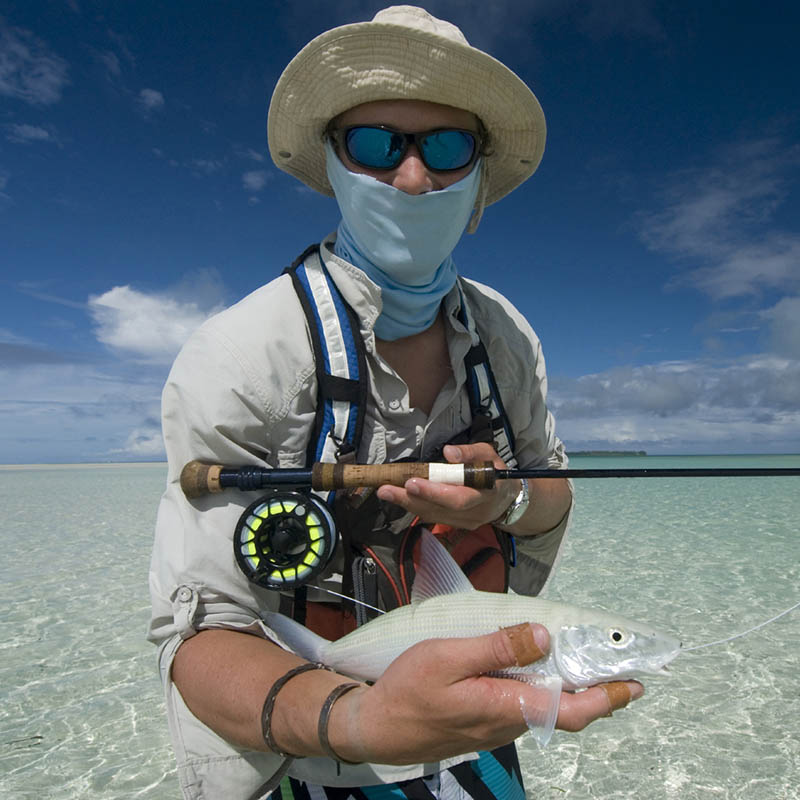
(394, 405)
(184, 594)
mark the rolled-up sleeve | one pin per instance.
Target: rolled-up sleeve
(224, 405)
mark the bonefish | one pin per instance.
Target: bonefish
(587, 646)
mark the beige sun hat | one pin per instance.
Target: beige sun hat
(403, 54)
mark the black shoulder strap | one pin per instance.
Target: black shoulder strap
(484, 396)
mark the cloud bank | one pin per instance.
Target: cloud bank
(692, 406)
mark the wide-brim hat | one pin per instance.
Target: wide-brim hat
(404, 53)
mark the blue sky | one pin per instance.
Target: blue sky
(656, 251)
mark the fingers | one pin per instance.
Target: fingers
(468, 453)
(618, 694)
(523, 642)
(459, 506)
(579, 709)
(433, 500)
(518, 645)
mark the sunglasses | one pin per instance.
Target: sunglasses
(380, 148)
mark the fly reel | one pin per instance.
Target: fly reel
(284, 539)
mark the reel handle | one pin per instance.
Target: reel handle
(199, 479)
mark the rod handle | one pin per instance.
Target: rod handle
(199, 479)
(330, 477)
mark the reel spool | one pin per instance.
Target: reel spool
(284, 539)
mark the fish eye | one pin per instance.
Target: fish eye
(617, 637)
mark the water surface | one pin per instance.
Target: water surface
(81, 714)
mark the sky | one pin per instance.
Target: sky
(656, 251)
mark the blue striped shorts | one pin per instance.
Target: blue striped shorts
(493, 776)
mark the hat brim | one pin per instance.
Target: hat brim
(369, 61)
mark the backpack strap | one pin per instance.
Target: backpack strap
(484, 396)
(340, 359)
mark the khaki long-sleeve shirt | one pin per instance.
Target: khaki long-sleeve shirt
(243, 391)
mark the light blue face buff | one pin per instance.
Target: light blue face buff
(402, 242)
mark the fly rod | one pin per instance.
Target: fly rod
(199, 479)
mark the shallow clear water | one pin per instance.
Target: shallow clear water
(703, 558)
(81, 714)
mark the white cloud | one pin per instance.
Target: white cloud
(149, 326)
(255, 180)
(28, 134)
(253, 155)
(772, 263)
(146, 442)
(151, 100)
(29, 70)
(719, 219)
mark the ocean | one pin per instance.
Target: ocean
(81, 713)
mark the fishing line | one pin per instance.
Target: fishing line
(744, 633)
(351, 599)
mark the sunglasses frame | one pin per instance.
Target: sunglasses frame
(340, 135)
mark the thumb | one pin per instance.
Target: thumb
(515, 646)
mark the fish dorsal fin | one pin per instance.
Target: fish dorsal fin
(437, 573)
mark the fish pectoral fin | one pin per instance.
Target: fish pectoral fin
(540, 708)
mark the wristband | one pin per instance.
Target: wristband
(269, 705)
(324, 718)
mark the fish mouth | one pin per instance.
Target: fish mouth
(662, 667)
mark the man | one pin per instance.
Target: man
(415, 132)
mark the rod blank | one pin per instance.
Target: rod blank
(689, 472)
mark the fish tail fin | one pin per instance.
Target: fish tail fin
(298, 639)
(540, 712)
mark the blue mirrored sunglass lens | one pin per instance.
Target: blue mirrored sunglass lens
(448, 149)
(374, 147)
(384, 149)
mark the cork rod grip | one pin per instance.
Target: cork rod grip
(198, 479)
(328, 477)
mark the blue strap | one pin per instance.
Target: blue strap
(339, 357)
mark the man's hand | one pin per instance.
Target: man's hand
(459, 506)
(466, 508)
(435, 701)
